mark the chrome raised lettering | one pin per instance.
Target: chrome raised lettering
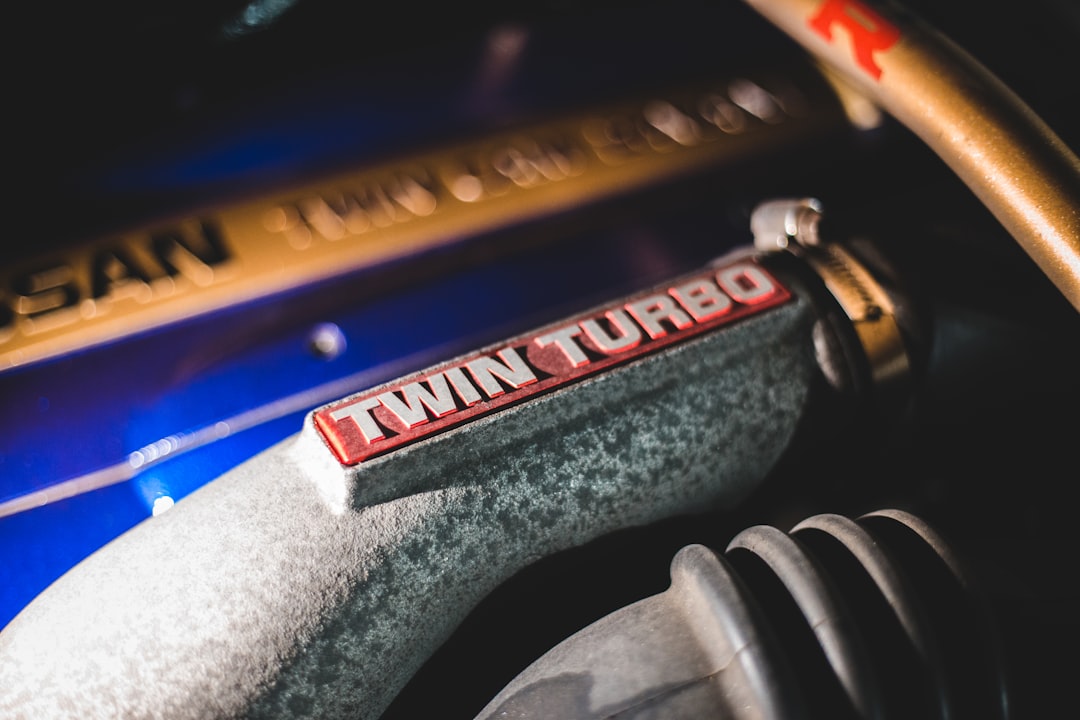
(408, 410)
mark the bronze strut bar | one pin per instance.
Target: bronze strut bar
(1027, 177)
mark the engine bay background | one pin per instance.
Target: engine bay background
(159, 112)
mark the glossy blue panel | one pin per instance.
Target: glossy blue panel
(193, 399)
(251, 369)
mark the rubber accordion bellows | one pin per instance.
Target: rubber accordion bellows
(840, 618)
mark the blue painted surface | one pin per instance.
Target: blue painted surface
(77, 414)
(92, 410)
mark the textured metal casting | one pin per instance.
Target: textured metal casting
(267, 594)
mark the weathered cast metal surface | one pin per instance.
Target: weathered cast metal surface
(267, 594)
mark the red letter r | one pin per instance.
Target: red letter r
(869, 31)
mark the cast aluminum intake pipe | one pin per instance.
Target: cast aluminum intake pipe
(316, 578)
(1025, 175)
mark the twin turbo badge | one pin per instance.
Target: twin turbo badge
(388, 417)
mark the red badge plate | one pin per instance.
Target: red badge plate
(445, 396)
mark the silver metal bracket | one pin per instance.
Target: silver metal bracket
(794, 225)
